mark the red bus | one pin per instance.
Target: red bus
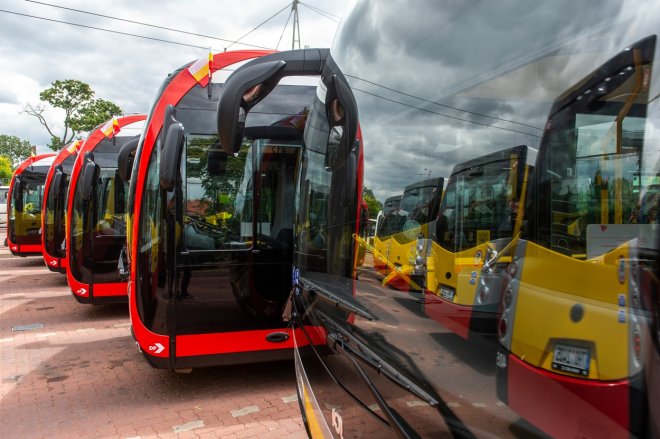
(53, 211)
(24, 199)
(96, 206)
(212, 232)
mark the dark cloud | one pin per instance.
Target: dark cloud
(441, 82)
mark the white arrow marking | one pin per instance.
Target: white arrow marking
(156, 348)
(82, 291)
(53, 263)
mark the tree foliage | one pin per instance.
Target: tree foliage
(373, 204)
(15, 149)
(5, 170)
(81, 111)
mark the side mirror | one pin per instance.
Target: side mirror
(88, 177)
(341, 112)
(170, 159)
(126, 158)
(57, 180)
(251, 83)
(17, 195)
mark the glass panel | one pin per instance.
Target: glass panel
(480, 204)
(592, 168)
(218, 208)
(111, 192)
(274, 221)
(149, 250)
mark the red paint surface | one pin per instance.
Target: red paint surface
(564, 406)
(454, 317)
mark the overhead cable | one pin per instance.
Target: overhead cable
(103, 30)
(426, 110)
(442, 105)
(283, 30)
(327, 15)
(141, 23)
(259, 25)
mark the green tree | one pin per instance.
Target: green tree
(81, 111)
(15, 149)
(5, 170)
(373, 204)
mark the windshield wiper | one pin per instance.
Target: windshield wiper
(341, 336)
(340, 302)
(403, 429)
(332, 376)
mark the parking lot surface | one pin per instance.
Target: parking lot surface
(72, 370)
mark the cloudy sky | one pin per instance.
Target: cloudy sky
(124, 69)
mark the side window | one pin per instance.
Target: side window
(148, 241)
(313, 204)
(218, 196)
(150, 258)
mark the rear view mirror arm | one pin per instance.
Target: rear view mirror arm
(248, 85)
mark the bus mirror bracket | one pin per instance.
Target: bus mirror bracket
(170, 159)
(251, 83)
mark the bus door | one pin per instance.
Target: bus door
(234, 258)
(110, 225)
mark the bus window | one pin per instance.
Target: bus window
(149, 248)
(218, 206)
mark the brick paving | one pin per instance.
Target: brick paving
(80, 375)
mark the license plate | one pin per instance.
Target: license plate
(571, 359)
(447, 294)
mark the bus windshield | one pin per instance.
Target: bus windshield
(589, 170)
(482, 201)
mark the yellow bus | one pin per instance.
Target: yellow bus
(384, 230)
(480, 217)
(413, 220)
(571, 327)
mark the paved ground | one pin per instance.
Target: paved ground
(76, 373)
